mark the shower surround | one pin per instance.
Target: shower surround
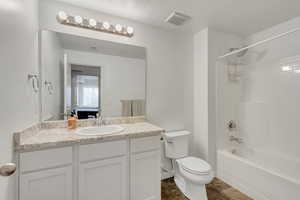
(258, 90)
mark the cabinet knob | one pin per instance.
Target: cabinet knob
(7, 169)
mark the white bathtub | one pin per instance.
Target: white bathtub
(260, 175)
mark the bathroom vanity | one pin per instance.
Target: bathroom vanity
(57, 163)
(88, 78)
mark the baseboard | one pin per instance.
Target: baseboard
(165, 175)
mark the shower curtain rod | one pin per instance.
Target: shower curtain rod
(260, 42)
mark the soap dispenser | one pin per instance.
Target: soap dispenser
(72, 121)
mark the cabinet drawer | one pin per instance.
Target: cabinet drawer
(145, 144)
(38, 160)
(102, 150)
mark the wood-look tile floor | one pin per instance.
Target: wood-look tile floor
(216, 190)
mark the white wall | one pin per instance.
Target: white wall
(164, 77)
(185, 59)
(121, 78)
(272, 31)
(208, 46)
(18, 57)
(201, 94)
(219, 44)
(52, 71)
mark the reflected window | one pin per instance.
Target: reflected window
(87, 91)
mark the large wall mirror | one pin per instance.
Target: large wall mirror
(90, 77)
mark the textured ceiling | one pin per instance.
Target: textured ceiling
(236, 16)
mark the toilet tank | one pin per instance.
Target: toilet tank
(177, 144)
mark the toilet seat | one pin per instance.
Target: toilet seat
(195, 165)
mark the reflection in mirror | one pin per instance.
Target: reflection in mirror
(90, 77)
(85, 90)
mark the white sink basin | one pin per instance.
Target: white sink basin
(100, 130)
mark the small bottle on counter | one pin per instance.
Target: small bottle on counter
(72, 121)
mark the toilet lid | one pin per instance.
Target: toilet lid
(195, 165)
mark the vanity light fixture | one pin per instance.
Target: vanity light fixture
(102, 26)
(62, 16)
(119, 28)
(106, 25)
(78, 19)
(129, 30)
(92, 22)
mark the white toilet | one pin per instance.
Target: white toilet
(190, 173)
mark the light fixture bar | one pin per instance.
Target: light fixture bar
(95, 25)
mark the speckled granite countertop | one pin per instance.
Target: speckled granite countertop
(43, 138)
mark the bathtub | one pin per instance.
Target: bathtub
(260, 175)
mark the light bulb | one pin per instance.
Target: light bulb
(78, 19)
(286, 68)
(129, 30)
(62, 16)
(119, 28)
(92, 22)
(106, 25)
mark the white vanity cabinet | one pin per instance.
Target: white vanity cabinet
(46, 175)
(126, 169)
(145, 169)
(103, 171)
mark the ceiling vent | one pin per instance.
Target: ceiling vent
(177, 18)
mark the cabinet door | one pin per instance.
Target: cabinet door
(145, 176)
(104, 179)
(47, 184)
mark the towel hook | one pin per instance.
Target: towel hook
(35, 82)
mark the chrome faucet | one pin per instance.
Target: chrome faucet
(100, 120)
(236, 139)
